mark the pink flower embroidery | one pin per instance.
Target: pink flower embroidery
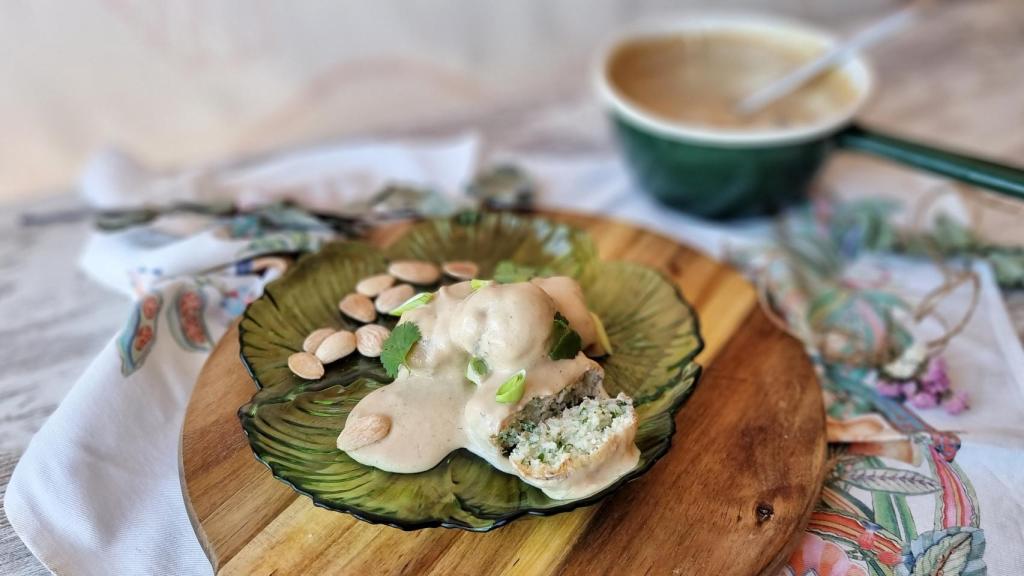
(190, 306)
(817, 556)
(931, 388)
(889, 389)
(143, 337)
(956, 403)
(150, 306)
(935, 379)
(924, 400)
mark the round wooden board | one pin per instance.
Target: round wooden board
(731, 497)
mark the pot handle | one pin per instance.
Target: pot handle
(999, 178)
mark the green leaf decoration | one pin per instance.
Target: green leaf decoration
(947, 556)
(502, 188)
(892, 480)
(292, 424)
(956, 550)
(511, 390)
(864, 224)
(508, 272)
(950, 235)
(565, 342)
(1008, 266)
(283, 241)
(397, 346)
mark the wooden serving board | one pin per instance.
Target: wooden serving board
(731, 497)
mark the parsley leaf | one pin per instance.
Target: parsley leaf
(565, 342)
(507, 272)
(397, 347)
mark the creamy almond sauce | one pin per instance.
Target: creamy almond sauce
(434, 409)
(697, 79)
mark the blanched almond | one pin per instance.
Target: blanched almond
(312, 342)
(374, 285)
(336, 346)
(357, 307)
(363, 431)
(462, 270)
(270, 263)
(415, 271)
(370, 339)
(394, 297)
(305, 365)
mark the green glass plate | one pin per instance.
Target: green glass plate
(292, 424)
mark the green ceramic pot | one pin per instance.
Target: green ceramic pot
(733, 173)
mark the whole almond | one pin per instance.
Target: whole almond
(394, 297)
(336, 346)
(312, 342)
(374, 285)
(462, 270)
(370, 339)
(415, 272)
(270, 263)
(358, 307)
(306, 366)
(363, 431)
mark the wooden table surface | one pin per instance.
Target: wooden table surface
(950, 80)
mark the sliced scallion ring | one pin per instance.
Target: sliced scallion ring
(476, 284)
(512, 389)
(421, 299)
(477, 370)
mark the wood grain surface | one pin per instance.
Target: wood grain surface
(729, 498)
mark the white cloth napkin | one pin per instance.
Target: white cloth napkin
(319, 180)
(97, 491)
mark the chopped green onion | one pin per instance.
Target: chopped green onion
(512, 389)
(602, 336)
(478, 284)
(421, 299)
(477, 370)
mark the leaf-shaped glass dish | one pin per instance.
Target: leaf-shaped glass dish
(292, 424)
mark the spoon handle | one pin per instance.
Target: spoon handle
(839, 53)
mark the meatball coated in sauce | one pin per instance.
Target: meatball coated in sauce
(434, 409)
(508, 324)
(436, 350)
(568, 298)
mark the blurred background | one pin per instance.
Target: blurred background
(181, 83)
